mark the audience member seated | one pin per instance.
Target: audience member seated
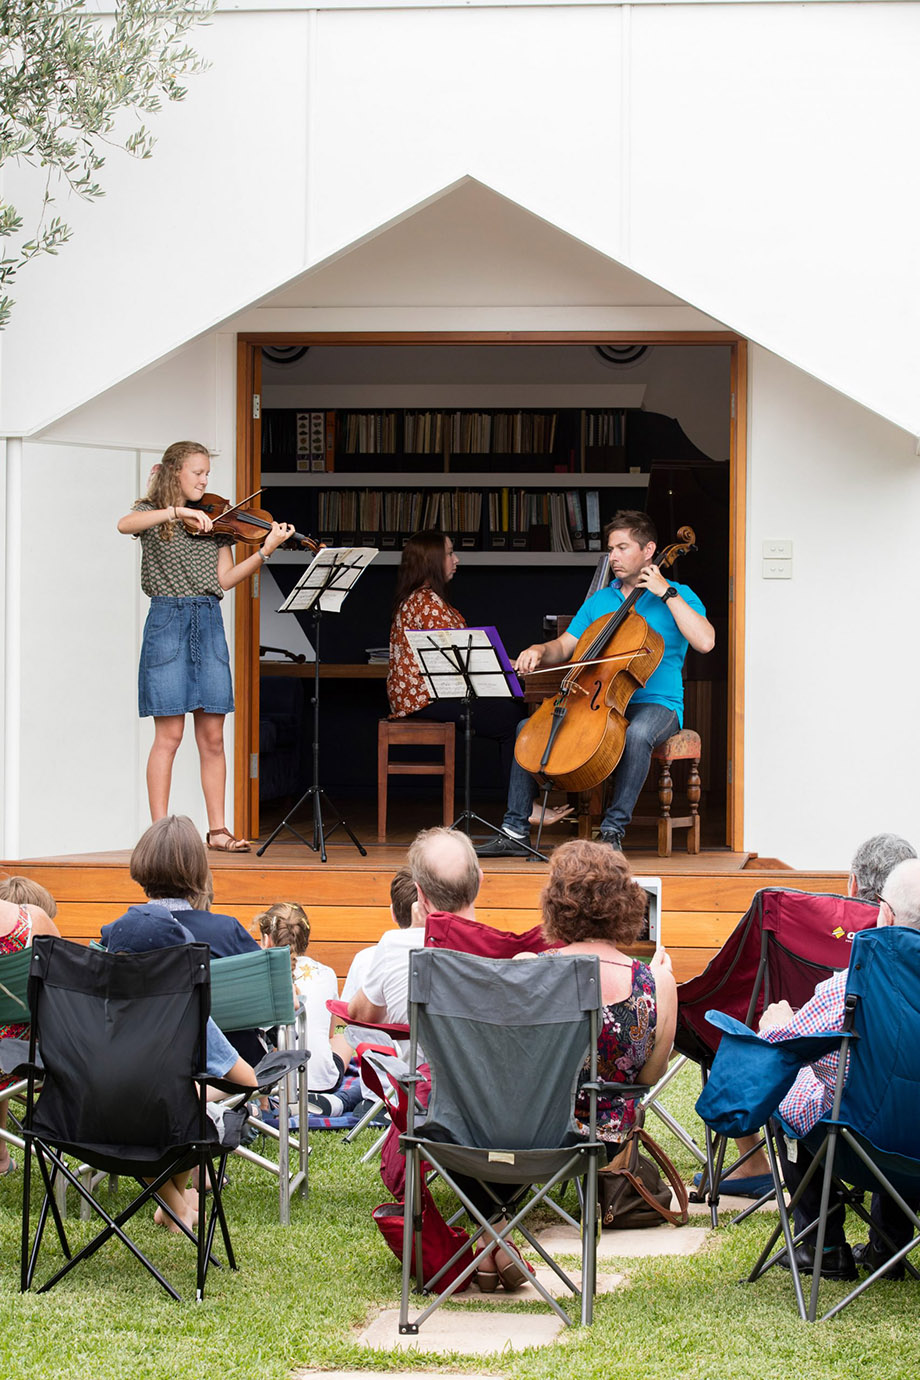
(170, 864)
(22, 891)
(447, 877)
(403, 900)
(139, 930)
(812, 1096)
(19, 921)
(591, 905)
(286, 923)
(872, 864)
(869, 871)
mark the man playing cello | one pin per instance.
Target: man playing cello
(655, 710)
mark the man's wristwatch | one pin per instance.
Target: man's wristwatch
(670, 593)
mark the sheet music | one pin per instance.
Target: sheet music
(329, 577)
(441, 654)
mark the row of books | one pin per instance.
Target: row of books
(312, 438)
(509, 519)
(606, 428)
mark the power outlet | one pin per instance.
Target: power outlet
(777, 570)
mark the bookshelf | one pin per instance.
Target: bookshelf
(504, 481)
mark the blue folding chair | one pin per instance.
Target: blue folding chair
(870, 1139)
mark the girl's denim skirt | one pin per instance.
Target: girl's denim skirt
(185, 663)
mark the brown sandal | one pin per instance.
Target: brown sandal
(231, 846)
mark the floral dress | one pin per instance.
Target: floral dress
(624, 1044)
(18, 938)
(405, 687)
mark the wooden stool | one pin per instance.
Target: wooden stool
(412, 732)
(680, 747)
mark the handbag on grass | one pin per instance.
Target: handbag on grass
(632, 1192)
(440, 1241)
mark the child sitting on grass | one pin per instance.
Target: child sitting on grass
(286, 923)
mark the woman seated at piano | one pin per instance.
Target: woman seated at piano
(428, 566)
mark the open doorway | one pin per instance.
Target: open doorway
(647, 422)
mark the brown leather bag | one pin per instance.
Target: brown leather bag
(631, 1191)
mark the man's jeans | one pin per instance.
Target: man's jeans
(649, 725)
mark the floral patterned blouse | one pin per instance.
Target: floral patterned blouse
(405, 687)
(18, 938)
(624, 1044)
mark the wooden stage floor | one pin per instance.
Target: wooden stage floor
(347, 898)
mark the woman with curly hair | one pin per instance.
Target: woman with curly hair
(592, 905)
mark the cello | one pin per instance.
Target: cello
(576, 740)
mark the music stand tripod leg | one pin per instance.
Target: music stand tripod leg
(468, 817)
(314, 793)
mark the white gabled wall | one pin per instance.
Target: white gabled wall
(832, 656)
(755, 160)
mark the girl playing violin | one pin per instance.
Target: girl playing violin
(185, 664)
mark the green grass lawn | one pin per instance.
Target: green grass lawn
(301, 1292)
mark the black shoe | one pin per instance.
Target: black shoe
(869, 1259)
(836, 1263)
(502, 846)
(613, 838)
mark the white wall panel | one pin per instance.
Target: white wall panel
(527, 101)
(755, 160)
(78, 671)
(832, 661)
(214, 219)
(772, 184)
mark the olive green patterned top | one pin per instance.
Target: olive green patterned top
(182, 566)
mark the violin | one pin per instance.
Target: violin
(249, 525)
(576, 740)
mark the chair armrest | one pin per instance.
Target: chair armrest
(627, 1092)
(396, 1031)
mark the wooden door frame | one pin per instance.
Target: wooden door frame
(248, 468)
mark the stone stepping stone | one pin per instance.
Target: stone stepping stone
(644, 1241)
(451, 1330)
(390, 1374)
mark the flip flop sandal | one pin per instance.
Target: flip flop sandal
(10, 1168)
(232, 845)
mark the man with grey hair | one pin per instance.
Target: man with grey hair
(872, 862)
(447, 877)
(811, 1097)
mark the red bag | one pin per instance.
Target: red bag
(439, 1240)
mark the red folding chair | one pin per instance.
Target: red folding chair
(786, 944)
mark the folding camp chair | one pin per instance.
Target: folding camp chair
(786, 944)
(14, 1009)
(254, 991)
(506, 1043)
(871, 1137)
(119, 1041)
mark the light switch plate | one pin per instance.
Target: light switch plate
(775, 549)
(777, 570)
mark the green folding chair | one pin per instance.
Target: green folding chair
(14, 1008)
(255, 991)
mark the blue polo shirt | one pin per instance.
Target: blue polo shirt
(666, 684)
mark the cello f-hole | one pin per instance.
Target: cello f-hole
(596, 696)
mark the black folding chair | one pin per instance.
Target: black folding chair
(506, 1043)
(118, 1042)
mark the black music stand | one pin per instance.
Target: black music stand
(322, 588)
(467, 664)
